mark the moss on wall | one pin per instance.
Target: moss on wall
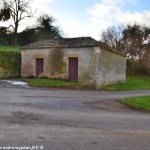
(56, 61)
(10, 64)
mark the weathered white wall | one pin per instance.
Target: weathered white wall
(112, 68)
(95, 65)
(28, 67)
(86, 62)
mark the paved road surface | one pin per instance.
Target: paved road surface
(69, 120)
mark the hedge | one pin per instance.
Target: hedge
(10, 64)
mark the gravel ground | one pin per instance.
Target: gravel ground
(71, 120)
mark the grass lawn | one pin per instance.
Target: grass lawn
(139, 103)
(50, 83)
(6, 48)
(133, 83)
(59, 83)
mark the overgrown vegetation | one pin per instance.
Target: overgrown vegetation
(139, 103)
(134, 82)
(56, 60)
(8, 48)
(10, 64)
(62, 76)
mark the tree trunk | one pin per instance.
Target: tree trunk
(15, 34)
(15, 39)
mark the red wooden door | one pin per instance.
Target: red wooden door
(39, 66)
(73, 69)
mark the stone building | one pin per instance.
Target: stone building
(84, 59)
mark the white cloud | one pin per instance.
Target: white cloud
(135, 17)
(104, 11)
(108, 12)
(73, 28)
(41, 6)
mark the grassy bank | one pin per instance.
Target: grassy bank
(138, 103)
(6, 48)
(49, 83)
(59, 83)
(134, 82)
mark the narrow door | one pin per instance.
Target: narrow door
(73, 69)
(39, 66)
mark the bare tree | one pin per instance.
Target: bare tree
(112, 36)
(132, 40)
(17, 10)
(146, 61)
(136, 40)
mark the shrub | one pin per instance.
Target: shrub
(2, 73)
(30, 77)
(10, 63)
(3, 42)
(55, 76)
(56, 60)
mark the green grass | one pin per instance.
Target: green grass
(139, 103)
(133, 83)
(137, 82)
(6, 48)
(50, 83)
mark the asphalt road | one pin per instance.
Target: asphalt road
(69, 120)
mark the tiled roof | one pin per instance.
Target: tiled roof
(70, 42)
(65, 42)
(107, 47)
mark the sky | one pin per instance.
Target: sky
(78, 18)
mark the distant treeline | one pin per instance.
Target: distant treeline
(43, 30)
(134, 42)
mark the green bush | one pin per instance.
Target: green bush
(2, 73)
(3, 42)
(10, 64)
(56, 76)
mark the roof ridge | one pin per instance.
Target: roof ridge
(106, 46)
(70, 42)
(67, 42)
(80, 37)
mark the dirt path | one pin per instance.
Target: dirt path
(112, 105)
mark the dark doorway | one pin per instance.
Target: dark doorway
(73, 69)
(39, 66)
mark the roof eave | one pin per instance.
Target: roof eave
(73, 46)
